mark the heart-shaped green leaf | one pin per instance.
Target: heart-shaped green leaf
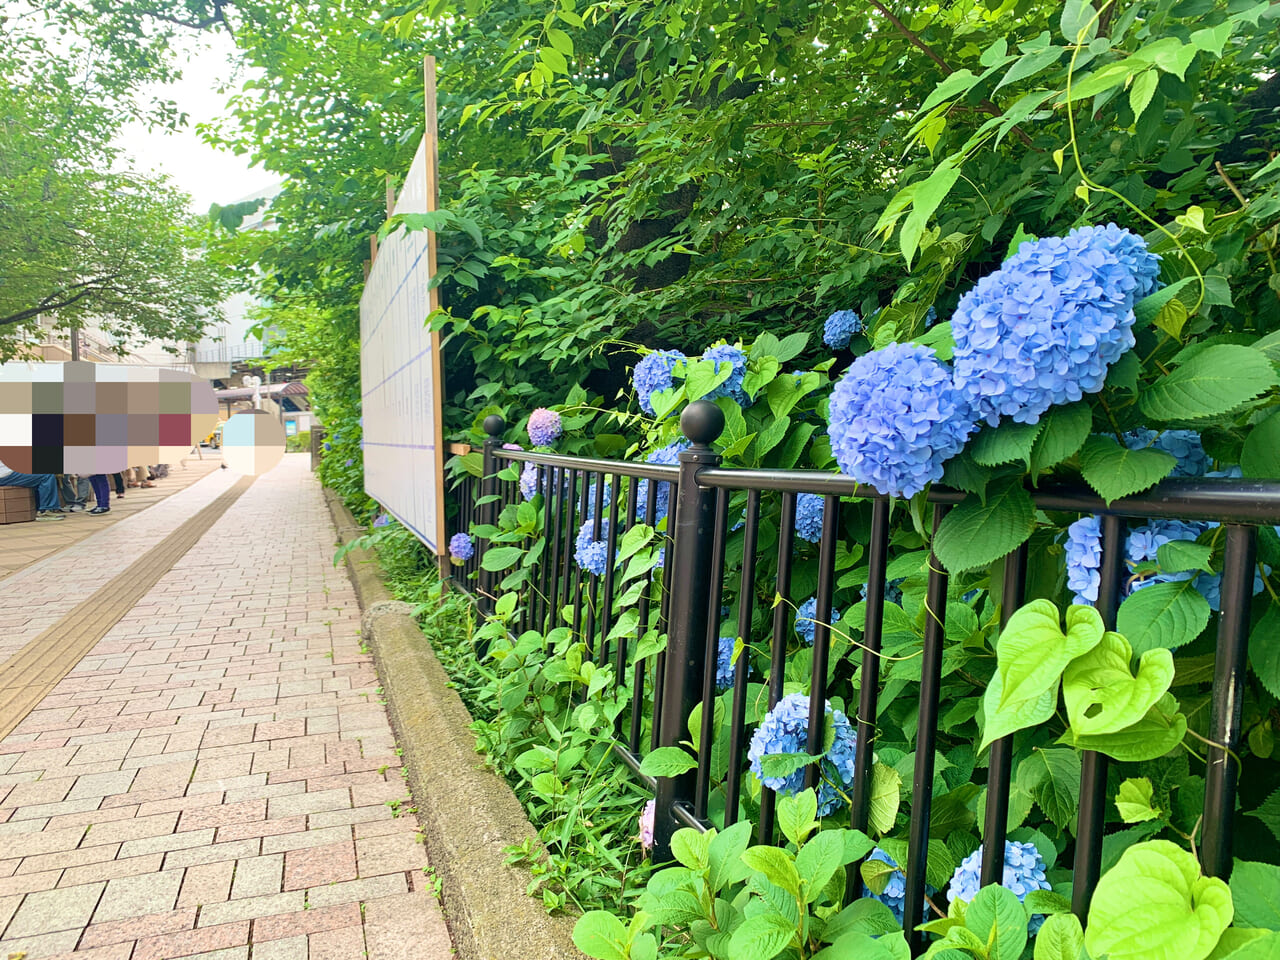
(1101, 693)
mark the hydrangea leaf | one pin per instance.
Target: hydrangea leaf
(864, 915)
(886, 791)
(1183, 914)
(1247, 944)
(1261, 454)
(1269, 813)
(864, 946)
(724, 855)
(1215, 380)
(667, 762)
(1061, 938)
(1058, 791)
(818, 860)
(1134, 801)
(1115, 471)
(1000, 921)
(1163, 615)
(777, 866)
(1255, 891)
(975, 533)
(1101, 693)
(500, 558)
(797, 815)
(761, 937)
(1064, 431)
(1005, 443)
(1032, 650)
(876, 874)
(599, 934)
(1177, 556)
(1264, 651)
(1160, 731)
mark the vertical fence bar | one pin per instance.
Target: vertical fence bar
(746, 598)
(1091, 820)
(638, 667)
(593, 581)
(664, 606)
(1000, 764)
(585, 508)
(556, 476)
(822, 634)
(620, 658)
(778, 648)
(544, 562)
(702, 422)
(711, 657)
(494, 425)
(606, 590)
(869, 673)
(926, 738)
(1221, 767)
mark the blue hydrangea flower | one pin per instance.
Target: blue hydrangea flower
(529, 480)
(1023, 872)
(349, 461)
(840, 329)
(896, 418)
(727, 353)
(809, 510)
(806, 615)
(1131, 250)
(381, 520)
(1184, 445)
(1144, 542)
(653, 373)
(544, 427)
(785, 729)
(892, 591)
(461, 548)
(592, 554)
(670, 454)
(895, 890)
(724, 663)
(1044, 328)
(1084, 559)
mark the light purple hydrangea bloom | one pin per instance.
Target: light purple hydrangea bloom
(461, 547)
(381, 520)
(1024, 870)
(896, 418)
(1184, 445)
(646, 825)
(544, 427)
(653, 373)
(895, 890)
(1084, 559)
(809, 510)
(785, 729)
(592, 554)
(1044, 328)
(732, 388)
(806, 615)
(529, 480)
(840, 328)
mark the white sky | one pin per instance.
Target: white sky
(209, 175)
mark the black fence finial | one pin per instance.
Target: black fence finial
(494, 426)
(702, 422)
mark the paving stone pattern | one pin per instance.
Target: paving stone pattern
(217, 777)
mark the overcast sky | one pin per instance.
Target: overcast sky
(209, 175)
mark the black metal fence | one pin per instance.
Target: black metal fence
(683, 599)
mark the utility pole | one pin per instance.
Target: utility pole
(75, 343)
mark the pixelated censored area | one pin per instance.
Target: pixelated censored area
(89, 418)
(252, 442)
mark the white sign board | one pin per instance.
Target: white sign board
(400, 374)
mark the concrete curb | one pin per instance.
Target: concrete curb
(468, 813)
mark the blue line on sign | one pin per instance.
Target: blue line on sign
(403, 281)
(396, 371)
(402, 446)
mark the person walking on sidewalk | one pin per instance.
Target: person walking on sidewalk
(45, 486)
(102, 493)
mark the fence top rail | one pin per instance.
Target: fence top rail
(619, 468)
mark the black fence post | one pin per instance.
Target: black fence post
(494, 426)
(690, 557)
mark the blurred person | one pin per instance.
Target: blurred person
(74, 491)
(102, 493)
(44, 484)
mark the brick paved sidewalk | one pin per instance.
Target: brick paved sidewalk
(217, 777)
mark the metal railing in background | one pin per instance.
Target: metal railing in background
(683, 599)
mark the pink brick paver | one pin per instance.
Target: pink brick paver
(217, 775)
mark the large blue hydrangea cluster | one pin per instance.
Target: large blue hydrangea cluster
(1084, 559)
(461, 548)
(592, 554)
(895, 890)
(670, 454)
(654, 373)
(806, 617)
(896, 418)
(1024, 871)
(809, 510)
(544, 427)
(785, 729)
(724, 663)
(723, 353)
(1183, 445)
(840, 328)
(1044, 328)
